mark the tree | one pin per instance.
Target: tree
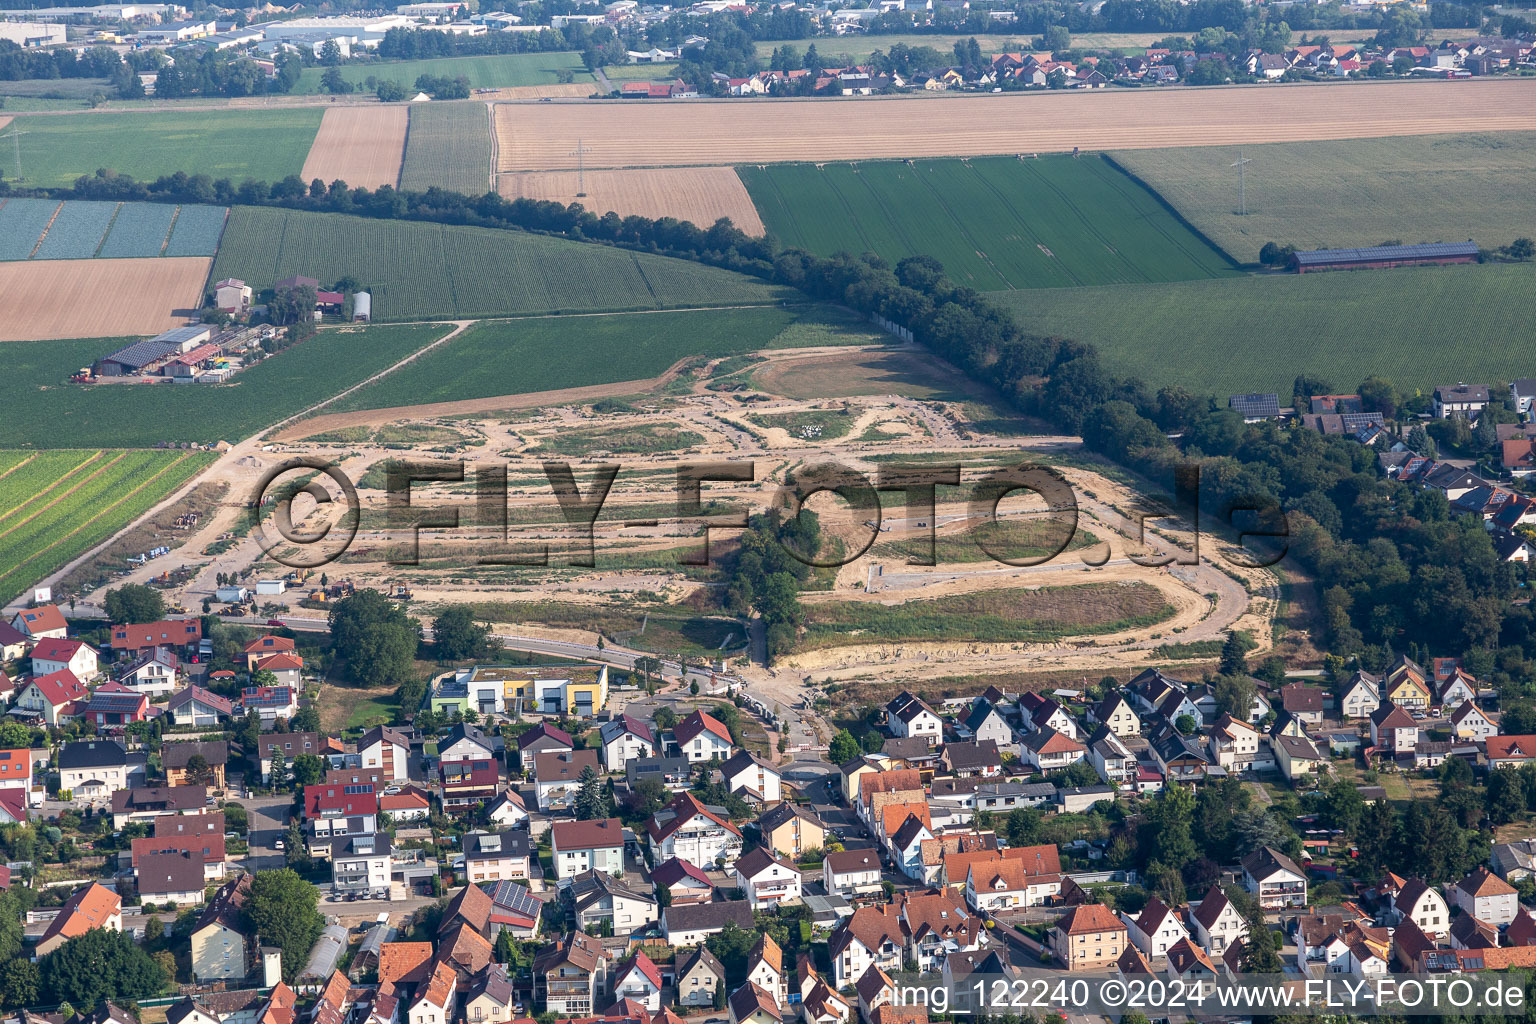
(19, 983)
(1235, 695)
(278, 776)
(281, 910)
(390, 92)
(1520, 249)
(1378, 395)
(457, 636)
(665, 718)
(719, 995)
(295, 849)
(330, 53)
(134, 602)
(1419, 440)
(375, 638)
(97, 965)
(306, 720)
(198, 772)
(1259, 953)
(308, 770)
(844, 747)
(592, 799)
(294, 305)
(1232, 656)
(1185, 724)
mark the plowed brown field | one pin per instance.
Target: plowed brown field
(700, 194)
(681, 132)
(42, 299)
(362, 146)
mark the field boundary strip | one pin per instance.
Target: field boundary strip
(13, 468)
(102, 241)
(46, 228)
(1177, 243)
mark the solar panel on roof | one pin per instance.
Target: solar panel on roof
(1380, 253)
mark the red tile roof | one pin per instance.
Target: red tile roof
(61, 687)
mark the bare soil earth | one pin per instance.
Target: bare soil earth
(699, 194)
(45, 299)
(532, 400)
(684, 133)
(363, 146)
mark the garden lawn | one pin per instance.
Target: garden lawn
(267, 145)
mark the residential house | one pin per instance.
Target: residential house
(598, 897)
(674, 773)
(1297, 756)
(557, 777)
(95, 769)
(851, 872)
(151, 802)
(513, 909)
(16, 778)
(1360, 696)
(541, 739)
(1044, 713)
(752, 778)
(1393, 730)
(464, 784)
(1110, 757)
(178, 761)
(686, 828)
(386, 748)
(1115, 712)
(1238, 747)
(409, 804)
(578, 846)
(41, 623)
(908, 715)
(692, 923)
(986, 722)
(978, 758)
(1049, 750)
(495, 856)
(181, 635)
(1027, 876)
(638, 978)
(490, 999)
(1469, 722)
(1088, 937)
(152, 672)
(625, 738)
(872, 936)
(113, 704)
(1406, 685)
(684, 882)
(220, 946)
(199, 707)
(57, 697)
(290, 745)
(94, 906)
(1218, 924)
(699, 977)
(265, 647)
(875, 989)
(1501, 751)
(52, 654)
(936, 925)
(1305, 703)
(765, 968)
(751, 1004)
(1275, 879)
(466, 742)
(1464, 400)
(702, 737)
(1486, 897)
(436, 1000)
(1423, 905)
(1156, 930)
(172, 878)
(767, 880)
(361, 862)
(791, 830)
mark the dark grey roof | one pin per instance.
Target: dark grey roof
(142, 353)
(1255, 406)
(638, 768)
(513, 844)
(177, 754)
(965, 756)
(696, 916)
(93, 754)
(1379, 253)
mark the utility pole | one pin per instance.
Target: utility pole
(580, 153)
(1242, 198)
(15, 135)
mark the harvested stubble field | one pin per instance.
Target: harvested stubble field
(538, 137)
(42, 410)
(133, 296)
(59, 504)
(1416, 326)
(995, 222)
(1319, 195)
(699, 194)
(448, 145)
(264, 144)
(362, 146)
(995, 616)
(417, 270)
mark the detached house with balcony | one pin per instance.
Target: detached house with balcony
(1049, 750)
(702, 737)
(687, 829)
(1274, 879)
(767, 880)
(578, 846)
(907, 715)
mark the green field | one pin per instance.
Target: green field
(509, 357)
(267, 145)
(1319, 195)
(994, 223)
(42, 411)
(448, 145)
(497, 71)
(419, 270)
(1416, 326)
(55, 505)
